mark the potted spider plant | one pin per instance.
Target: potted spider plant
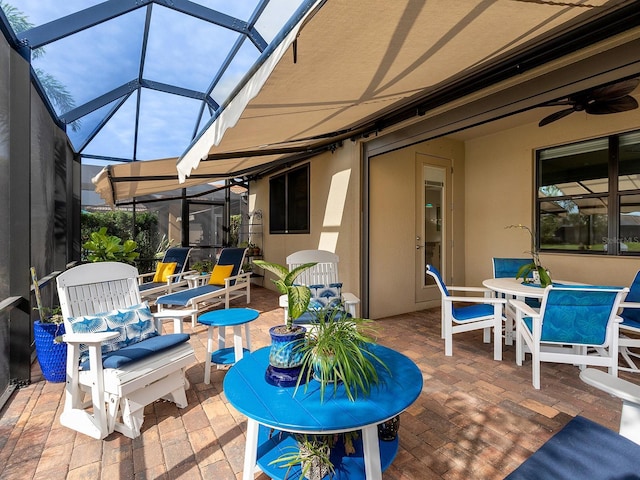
(336, 351)
(312, 453)
(285, 358)
(315, 453)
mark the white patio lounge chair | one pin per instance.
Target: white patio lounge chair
(116, 353)
(169, 275)
(226, 282)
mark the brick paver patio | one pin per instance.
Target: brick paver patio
(476, 418)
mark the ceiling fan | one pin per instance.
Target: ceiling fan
(612, 98)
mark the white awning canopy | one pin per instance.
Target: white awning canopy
(349, 68)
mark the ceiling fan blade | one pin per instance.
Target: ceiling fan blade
(555, 116)
(617, 105)
(613, 91)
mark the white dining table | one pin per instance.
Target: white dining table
(515, 288)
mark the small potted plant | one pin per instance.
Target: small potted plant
(285, 358)
(252, 249)
(336, 350)
(540, 274)
(312, 454)
(203, 266)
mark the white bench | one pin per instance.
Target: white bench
(120, 382)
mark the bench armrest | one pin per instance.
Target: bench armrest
(89, 338)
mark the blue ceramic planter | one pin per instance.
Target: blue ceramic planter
(285, 359)
(52, 356)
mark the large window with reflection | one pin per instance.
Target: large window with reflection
(289, 201)
(588, 196)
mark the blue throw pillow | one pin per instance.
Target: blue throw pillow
(133, 324)
(325, 295)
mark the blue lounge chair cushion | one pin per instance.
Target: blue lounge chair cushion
(148, 285)
(582, 449)
(183, 297)
(139, 350)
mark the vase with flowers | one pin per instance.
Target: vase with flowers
(540, 274)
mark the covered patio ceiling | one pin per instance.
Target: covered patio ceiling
(354, 70)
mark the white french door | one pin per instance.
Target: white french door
(433, 211)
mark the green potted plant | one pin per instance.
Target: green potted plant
(312, 453)
(203, 266)
(285, 358)
(539, 272)
(336, 351)
(103, 247)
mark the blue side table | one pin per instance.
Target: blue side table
(228, 317)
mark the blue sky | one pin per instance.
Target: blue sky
(181, 51)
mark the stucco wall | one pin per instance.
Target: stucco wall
(393, 226)
(335, 214)
(500, 191)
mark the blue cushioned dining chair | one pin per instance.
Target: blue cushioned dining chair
(508, 268)
(630, 315)
(483, 313)
(576, 325)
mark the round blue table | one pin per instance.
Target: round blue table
(285, 410)
(228, 317)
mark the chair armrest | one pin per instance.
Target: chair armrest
(177, 277)
(470, 289)
(350, 299)
(612, 385)
(527, 310)
(629, 305)
(89, 338)
(241, 277)
(142, 276)
(476, 299)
